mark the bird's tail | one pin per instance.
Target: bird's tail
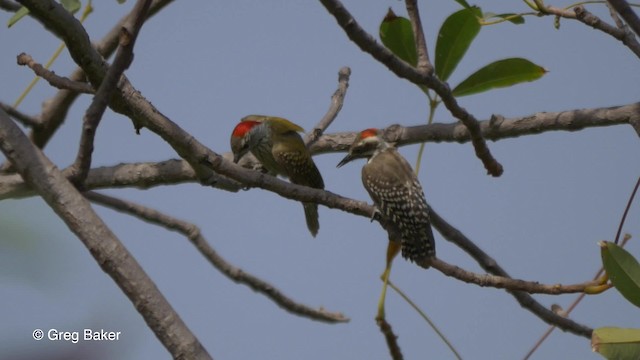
(311, 215)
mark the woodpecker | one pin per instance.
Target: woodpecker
(277, 144)
(397, 194)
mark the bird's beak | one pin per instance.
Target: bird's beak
(236, 157)
(346, 159)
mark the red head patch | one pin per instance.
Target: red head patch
(368, 133)
(243, 128)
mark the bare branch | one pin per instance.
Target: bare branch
(625, 11)
(124, 57)
(23, 118)
(501, 282)
(337, 100)
(54, 80)
(234, 273)
(581, 14)
(54, 110)
(391, 339)
(496, 128)
(146, 175)
(104, 246)
(424, 65)
(368, 44)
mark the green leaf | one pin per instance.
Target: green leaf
(501, 73)
(623, 270)
(455, 36)
(22, 12)
(397, 35)
(121, 1)
(71, 5)
(616, 343)
(511, 17)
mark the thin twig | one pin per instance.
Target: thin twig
(502, 282)
(581, 14)
(614, 16)
(368, 44)
(626, 210)
(109, 253)
(390, 338)
(337, 100)
(55, 109)
(54, 80)
(424, 65)
(129, 32)
(23, 118)
(234, 273)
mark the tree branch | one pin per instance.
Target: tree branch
(23, 118)
(128, 34)
(403, 70)
(170, 172)
(337, 100)
(54, 80)
(390, 338)
(103, 245)
(581, 14)
(234, 273)
(54, 110)
(503, 282)
(424, 65)
(625, 11)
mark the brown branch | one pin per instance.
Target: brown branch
(423, 65)
(23, 118)
(54, 110)
(368, 44)
(170, 172)
(625, 11)
(234, 273)
(491, 266)
(337, 100)
(54, 80)
(581, 14)
(104, 246)
(128, 34)
(501, 282)
(131, 103)
(134, 175)
(390, 338)
(496, 128)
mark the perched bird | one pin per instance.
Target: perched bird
(277, 144)
(397, 194)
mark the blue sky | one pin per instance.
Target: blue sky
(206, 66)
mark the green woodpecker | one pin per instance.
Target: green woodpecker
(396, 192)
(277, 144)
